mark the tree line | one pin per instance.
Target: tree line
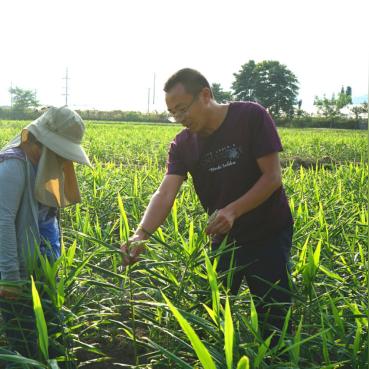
(274, 86)
(269, 83)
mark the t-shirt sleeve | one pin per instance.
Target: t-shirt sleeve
(175, 164)
(265, 139)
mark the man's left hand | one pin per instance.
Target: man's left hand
(222, 223)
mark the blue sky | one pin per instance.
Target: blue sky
(113, 48)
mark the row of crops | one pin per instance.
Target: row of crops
(167, 311)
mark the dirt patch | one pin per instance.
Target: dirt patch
(297, 162)
(119, 351)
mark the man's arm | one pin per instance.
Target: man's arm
(154, 216)
(270, 180)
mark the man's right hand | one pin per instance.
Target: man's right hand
(155, 214)
(132, 249)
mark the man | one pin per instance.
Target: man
(37, 177)
(231, 152)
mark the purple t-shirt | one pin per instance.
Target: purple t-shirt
(224, 167)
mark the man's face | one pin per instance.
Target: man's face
(186, 108)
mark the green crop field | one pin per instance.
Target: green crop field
(167, 311)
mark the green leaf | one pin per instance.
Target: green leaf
(254, 316)
(263, 348)
(317, 254)
(200, 349)
(284, 329)
(71, 252)
(228, 335)
(331, 274)
(211, 313)
(357, 339)
(124, 233)
(212, 277)
(244, 363)
(175, 216)
(7, 358)
(43, 337)
(295, 348)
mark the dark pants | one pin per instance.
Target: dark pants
(265, 266)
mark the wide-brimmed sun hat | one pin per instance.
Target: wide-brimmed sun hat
(61, 130)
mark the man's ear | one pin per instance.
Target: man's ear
(206, 94)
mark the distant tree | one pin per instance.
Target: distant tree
(23, 99)
(327, 107)
(245, 83)
(299, 110)
(219, 94)
(344, 98)
(330, 108)
(270, 83)
(357, 110)
(349, 93)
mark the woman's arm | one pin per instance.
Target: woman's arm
(12, 184)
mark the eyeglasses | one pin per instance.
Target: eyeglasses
(181, 113)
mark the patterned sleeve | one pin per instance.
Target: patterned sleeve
(265, 139)
(175, 164)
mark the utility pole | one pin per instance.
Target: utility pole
(11, 95)
(66, 93)
(11, 100)
(148, 101)
(153, 93)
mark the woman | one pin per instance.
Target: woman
(37, 177)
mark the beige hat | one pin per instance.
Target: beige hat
(60, 131)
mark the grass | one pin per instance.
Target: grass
(150, 315)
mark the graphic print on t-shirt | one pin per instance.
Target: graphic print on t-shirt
(223, 157)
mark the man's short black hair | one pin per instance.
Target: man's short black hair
(192, 80)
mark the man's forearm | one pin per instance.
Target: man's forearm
(257, 194)
(155, 214)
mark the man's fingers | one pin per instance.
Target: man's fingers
(220, 225)
(131, 251)
(134, 254)
(124, 250)
(212, 228)
(136, 248)
(126, 260)
(223, 230)
(125, 255)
